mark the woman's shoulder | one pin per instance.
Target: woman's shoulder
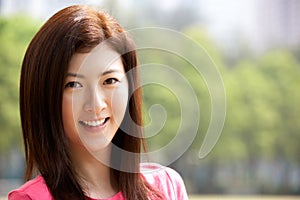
(156, 171)
(33, 189)
(165, 179)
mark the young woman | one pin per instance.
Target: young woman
(78, 88)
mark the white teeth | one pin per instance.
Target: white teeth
(94, 123)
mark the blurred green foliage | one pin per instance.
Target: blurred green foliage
(262, 101)
(15, 34)
(261, 133)
(263, 108)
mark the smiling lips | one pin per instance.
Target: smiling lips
(94, 123)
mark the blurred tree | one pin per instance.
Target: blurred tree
(262, 119)
(167, 97)
(283, 70)
(15, 34)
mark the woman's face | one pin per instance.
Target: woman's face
(94, 99)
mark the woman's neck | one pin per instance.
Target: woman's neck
(94, 176)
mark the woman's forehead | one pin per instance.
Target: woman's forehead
(100, 59)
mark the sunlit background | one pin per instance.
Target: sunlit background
(256, 46)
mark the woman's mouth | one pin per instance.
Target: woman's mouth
(94, 123)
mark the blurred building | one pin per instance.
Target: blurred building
(258, 24)
(37, 8)
(34, 7)
(279, 23)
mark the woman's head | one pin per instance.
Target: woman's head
(72, 31)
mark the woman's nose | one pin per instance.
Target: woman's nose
(95, 102)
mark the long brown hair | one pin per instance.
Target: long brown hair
(73, 29)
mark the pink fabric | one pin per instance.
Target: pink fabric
(165, 179)
(33, 189)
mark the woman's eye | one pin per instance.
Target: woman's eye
(110, 81)
(73, 84)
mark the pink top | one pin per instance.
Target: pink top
(165, 179)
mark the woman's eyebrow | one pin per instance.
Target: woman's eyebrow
(75, 75)
(110, 71)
